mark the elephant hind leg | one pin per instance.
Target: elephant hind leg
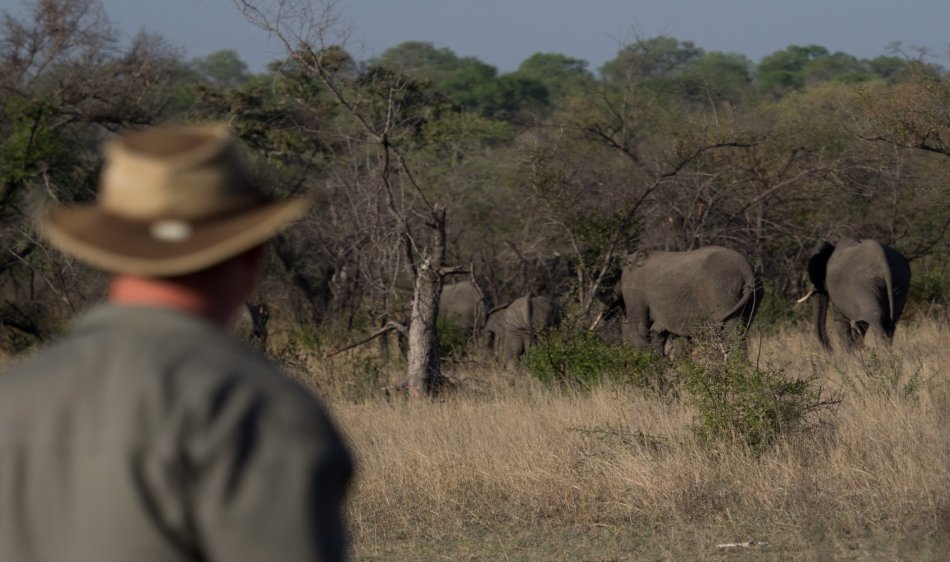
(659, 342)
(848, 337)
(882, 332)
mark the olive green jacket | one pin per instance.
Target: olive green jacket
(146, 434)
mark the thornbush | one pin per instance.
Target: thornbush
(453, 339)
(584, 359)
(736, 398)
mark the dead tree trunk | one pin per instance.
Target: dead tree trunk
(425, 368)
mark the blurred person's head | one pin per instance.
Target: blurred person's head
(179, 221)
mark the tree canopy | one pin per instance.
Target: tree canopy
(550, 167)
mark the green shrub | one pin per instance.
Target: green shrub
(884, 374)
(931, 290)
(775, 312)
(585, 359)
(453, 339)
(737, 399)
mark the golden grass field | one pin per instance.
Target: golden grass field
(507, 469)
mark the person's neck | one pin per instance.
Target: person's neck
(127, 290)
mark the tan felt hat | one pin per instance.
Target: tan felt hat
(172, 200)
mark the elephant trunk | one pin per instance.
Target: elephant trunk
(819, 315)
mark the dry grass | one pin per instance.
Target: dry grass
(508, 469)
(526, 472)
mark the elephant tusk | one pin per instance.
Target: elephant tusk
(596, 322)
(806, 297)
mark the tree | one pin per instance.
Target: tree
(224, 69)
(659, 57)
(420, 60)
(561, 76)
(382, 108)
(466, 81)
(837, 66)
(65, 82)
(784, 70)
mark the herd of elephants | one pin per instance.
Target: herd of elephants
(662, 294)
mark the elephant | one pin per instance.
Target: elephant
(866, 284)
(250, 324)
(514, 328)
(464, 305)
(681, 293)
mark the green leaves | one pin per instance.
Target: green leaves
(735, 399)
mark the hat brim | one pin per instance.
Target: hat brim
(121, 245)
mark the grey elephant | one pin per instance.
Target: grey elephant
(682, 293)
(514, 328)
(464, 305)
(866, 284)
(250, 324)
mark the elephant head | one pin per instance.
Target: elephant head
(864, 283)
(515, 327)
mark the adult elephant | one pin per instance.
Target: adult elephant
(250, 324)
(514, 328)
(464, 306)
(866, 284)
(681, 293)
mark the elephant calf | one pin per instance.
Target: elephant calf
(250, 325)
(515, 327)
(866, 283)
(681, 293)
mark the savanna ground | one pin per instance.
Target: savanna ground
(510, 469)
(507, 468)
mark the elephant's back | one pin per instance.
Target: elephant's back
(860, 272)
(686, 289)
(684, 267)
(460, 302)
(864, 262)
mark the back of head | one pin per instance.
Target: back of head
(173, 200)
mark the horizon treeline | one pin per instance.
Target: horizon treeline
(548, 175)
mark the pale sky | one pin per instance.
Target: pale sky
(505, 32)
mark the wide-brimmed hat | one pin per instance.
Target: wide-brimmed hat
(172, 200)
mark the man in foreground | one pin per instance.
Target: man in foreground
(146, 432)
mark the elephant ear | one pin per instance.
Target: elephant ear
(636, 258)
(526, 311)
(818, 265)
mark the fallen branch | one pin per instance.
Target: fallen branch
(389, 327)
(747, 544)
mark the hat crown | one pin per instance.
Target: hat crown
(172, 200)
(185, 172)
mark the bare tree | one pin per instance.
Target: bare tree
(378, 105)
(64, 82)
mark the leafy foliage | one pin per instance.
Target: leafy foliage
(550, 173)
(585, 359)
(736, 399)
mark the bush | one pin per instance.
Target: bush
(585, 359)
(453, 339)
(883, 373)
(776, 312)
(735, 398)
(931, 290)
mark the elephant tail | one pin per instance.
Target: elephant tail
(819, 315)
(889, 285)
(750, 301)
